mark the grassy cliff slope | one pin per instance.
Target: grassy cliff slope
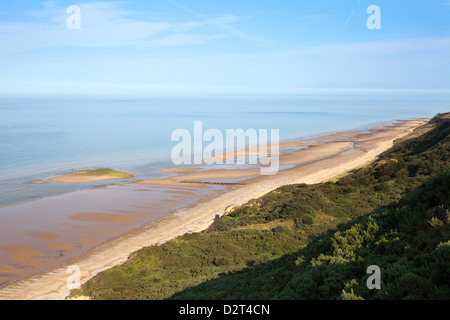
(314, 241)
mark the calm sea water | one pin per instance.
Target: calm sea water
(42, 136)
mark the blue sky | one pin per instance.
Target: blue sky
(177, 47)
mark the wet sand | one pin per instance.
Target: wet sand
(44, 233)
(324, 158)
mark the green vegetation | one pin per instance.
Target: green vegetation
(100, 173)
(103, 172)
(314, 241)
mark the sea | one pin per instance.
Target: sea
(46, 136)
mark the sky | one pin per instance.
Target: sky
(178, 47)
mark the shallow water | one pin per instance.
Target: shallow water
(44, 136)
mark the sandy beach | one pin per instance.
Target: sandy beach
(307, 161)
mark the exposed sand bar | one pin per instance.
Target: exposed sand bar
(209, 175)
(179, 170)
(91, 176)
(365, 147)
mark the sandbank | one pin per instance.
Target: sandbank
(90, 176)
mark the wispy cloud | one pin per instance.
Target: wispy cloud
(108, 24)
(223, 25)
